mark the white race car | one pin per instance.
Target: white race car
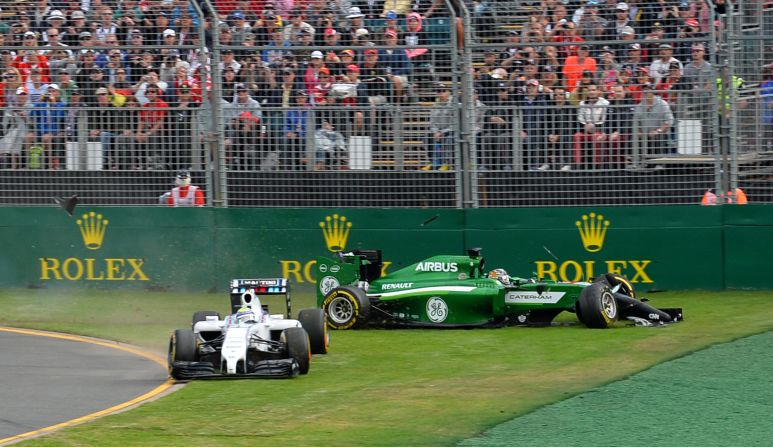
(250, 342)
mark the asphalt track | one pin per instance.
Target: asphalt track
(49, 381)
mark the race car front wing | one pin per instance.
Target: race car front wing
(267, 369)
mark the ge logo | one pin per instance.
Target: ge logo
(437, 310)
(327, 284)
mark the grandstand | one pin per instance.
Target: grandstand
(429, 104)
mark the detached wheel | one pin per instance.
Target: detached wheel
(613, 280)
(202, 316)
(296, 342)
(346, 307)
(597, 305)
(313, 320)
(182, 348)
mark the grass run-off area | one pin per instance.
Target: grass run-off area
(376, 387)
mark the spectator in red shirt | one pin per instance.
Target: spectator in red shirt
(150, 130)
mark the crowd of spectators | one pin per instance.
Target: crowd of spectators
(132, 75)
(581, 83)
(568, 90)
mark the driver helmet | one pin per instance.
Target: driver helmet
(183, 178)
(500, 275)
(245, 315)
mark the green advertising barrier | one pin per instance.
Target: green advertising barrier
(655, 247)
(669, 247)
(748, 236)
(253, 242)
(107, 247)
(201, 249)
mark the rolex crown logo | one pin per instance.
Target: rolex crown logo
(593, 229)
(92, 227)
(336, 232)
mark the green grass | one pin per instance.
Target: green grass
(376, 387)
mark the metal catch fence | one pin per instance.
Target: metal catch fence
(490, 104)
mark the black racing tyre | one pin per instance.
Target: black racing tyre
(182, 348)
(313, 320)
(578, 311)
(296, 342)
(598, 306)
(346, 307)
(613, 279)
(202, 316)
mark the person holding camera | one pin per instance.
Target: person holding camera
(149, 142)
(150, 79)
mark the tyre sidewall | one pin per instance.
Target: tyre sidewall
(296, 342)
(315, 323)
(598, 306)
(182, 348)
(349, 296)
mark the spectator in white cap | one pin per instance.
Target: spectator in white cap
(370, 9)
(56, 18)
(627, 33)
(30, 38)
(362, 38)
(622, 19)
(354, 13)
(311, 76)
(75, 26)
(355, 19)
(16, 123)
(169, 56)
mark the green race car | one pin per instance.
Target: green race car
(456, 291)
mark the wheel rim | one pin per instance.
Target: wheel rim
(340, 310)
(608, 305)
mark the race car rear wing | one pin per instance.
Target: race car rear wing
(260, 287)
(347, 268)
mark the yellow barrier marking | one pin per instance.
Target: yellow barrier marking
(89, 417)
